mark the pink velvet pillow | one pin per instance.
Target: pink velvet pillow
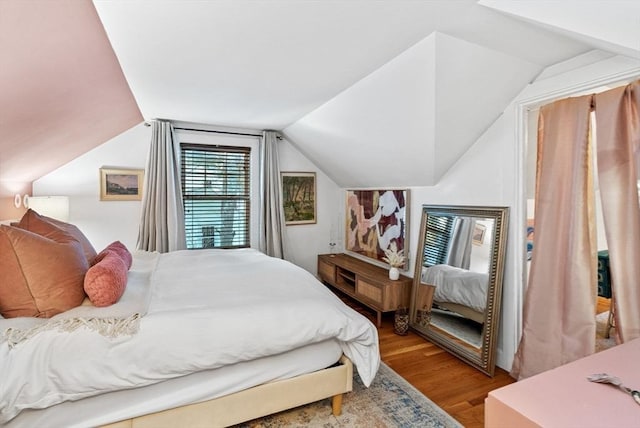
(105, 281)
(40, 277)
(120, 249)
(42, 225)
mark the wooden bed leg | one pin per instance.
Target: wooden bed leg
(336, 404)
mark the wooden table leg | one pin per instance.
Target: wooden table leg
(336, 404)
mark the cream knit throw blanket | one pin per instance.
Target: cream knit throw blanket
(120, 319)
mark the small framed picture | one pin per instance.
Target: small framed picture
(121, 184)
(478, 234)
(299, 197)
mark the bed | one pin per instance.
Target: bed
(199, 338)
(458, 290)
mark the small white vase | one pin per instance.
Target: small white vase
(394, 273)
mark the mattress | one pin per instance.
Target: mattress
(193, 388)
(197, 311)
(456, 285)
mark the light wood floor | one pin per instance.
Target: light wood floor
(453, 385)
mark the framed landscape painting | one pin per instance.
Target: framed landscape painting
(376, 219)
(299, 197)
(121, 184)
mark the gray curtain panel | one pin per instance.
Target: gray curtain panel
(162, 218)
(271, 215)
(459, 254)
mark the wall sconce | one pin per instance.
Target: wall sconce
(51, 206)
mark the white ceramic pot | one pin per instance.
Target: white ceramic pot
(394, 273)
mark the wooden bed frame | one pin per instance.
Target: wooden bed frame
(255, 402)
(424, 299)
(465, 311)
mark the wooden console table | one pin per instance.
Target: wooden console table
(364, 282)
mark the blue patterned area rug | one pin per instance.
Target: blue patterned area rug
(390, 401)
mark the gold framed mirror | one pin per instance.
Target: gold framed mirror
(457, 283)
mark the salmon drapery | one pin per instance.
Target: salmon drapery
(618, 139)
(560, 279)
(559, 307)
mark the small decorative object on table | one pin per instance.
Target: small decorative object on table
(395, 259)
(401, 321)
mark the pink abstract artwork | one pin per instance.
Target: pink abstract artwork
(374, 220)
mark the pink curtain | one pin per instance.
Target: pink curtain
(618, 141)
(559, 308)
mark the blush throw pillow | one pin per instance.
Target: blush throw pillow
(120, 249)
(42, 225)
(105, 281)
(41, 277)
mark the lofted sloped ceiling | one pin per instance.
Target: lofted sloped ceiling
(416, 115)
(611, 25)
(344, 79)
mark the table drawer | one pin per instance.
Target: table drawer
(371, 291)
(327, 271)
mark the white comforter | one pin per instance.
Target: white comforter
(208, 309)
(456, 285)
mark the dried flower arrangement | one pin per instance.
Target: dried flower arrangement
(394, 257)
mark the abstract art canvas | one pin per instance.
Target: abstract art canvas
(374, 220)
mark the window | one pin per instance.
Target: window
(216, 192)
(439, 229)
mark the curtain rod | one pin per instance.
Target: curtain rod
(247, 134)
(218, 132)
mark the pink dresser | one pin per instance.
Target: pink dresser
(564, 398)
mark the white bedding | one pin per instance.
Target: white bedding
(456, 285)
(194, 388)
(208, 309)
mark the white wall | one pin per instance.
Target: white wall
(304, 242)
(481, 253)
(106, 221)
(101, 221)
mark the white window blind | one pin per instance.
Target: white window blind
(438, 235)
(216, 193)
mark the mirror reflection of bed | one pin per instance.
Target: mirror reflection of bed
(460, 294)
(456, 288)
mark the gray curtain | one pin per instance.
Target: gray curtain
(162, 219)
(459, 254)
(271, 212)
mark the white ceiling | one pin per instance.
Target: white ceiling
(345, 77)
(266, 64)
